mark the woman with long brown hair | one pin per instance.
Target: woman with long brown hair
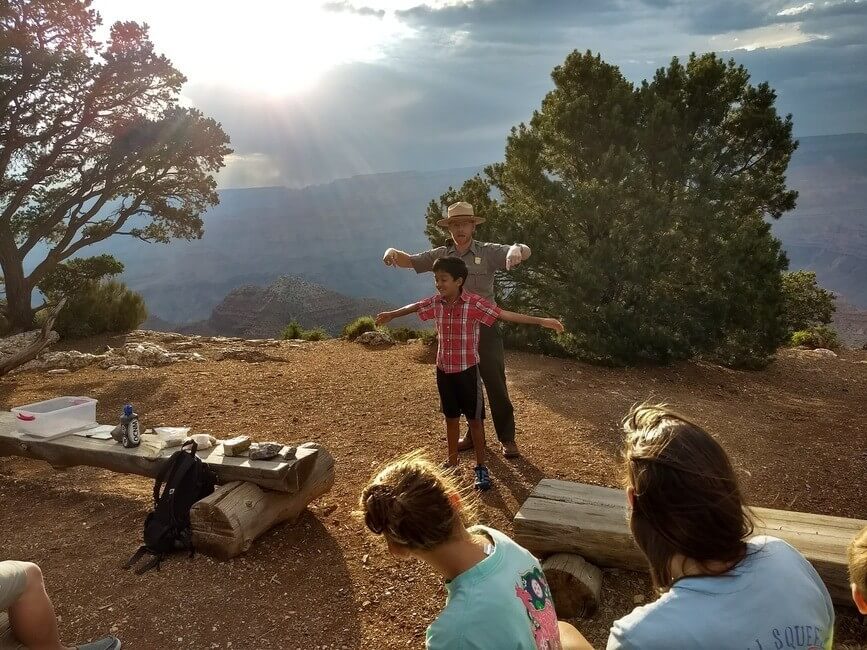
(720, 587)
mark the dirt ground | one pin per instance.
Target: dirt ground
(795, 431)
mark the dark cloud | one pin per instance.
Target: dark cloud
(346, 7)
(817, 16)
(822, 84)
(721, 17)
(812, 12)
(844, 23)
(518, 15)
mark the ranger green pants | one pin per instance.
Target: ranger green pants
(492, 366)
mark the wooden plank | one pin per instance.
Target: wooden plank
(592, 521)
(71, 450)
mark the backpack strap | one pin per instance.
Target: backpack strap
(154, 561)
(150, 564)
(136, 557)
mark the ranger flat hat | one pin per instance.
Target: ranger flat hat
(460, 211)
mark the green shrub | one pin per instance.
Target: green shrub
(539, 341)
(100, 308)
(364, 324)
(741, 349)
(805, 303)
(404, 334)
(818, 336)
(294, 331)
(291, 331)
(358, 327)
(315, 334)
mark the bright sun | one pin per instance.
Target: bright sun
(262, 46)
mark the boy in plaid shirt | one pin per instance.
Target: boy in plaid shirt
(458, 315)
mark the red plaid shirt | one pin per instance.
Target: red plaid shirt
(458, 328)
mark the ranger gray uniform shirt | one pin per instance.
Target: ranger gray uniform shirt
(482, 260)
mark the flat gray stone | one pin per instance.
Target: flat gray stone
(264, 450)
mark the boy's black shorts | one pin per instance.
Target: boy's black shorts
(461, 393)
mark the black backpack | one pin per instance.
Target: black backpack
(182, 481)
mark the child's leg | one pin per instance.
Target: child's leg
(477, 431)
(453, 432)
(451, 410)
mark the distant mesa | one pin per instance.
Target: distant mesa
(262, 312)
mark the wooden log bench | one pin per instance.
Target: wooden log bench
(71, 450)
(253, 495)
(591, 521)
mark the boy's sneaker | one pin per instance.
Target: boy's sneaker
(483, 478)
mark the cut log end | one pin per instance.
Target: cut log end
(227, 523)
(575, 584)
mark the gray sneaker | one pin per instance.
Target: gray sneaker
(105, 643)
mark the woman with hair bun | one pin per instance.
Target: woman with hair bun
(497, 594)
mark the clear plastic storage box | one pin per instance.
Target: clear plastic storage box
(55, 416)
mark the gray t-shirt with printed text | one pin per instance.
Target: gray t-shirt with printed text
(772, 600)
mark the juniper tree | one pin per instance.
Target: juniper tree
(93, 143)
(647, 209)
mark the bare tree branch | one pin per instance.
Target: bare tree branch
(32, 351)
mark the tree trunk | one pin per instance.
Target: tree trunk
(19, 312)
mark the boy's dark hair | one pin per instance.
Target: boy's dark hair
(687, 497)
(454, 266)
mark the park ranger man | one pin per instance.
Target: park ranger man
(482, 260)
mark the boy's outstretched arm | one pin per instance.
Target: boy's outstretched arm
(550, 323)
(383, 317)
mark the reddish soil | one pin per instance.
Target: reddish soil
(795, 432)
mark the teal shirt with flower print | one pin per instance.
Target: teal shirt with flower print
(503, 602)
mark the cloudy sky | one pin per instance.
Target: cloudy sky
(312, 90)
